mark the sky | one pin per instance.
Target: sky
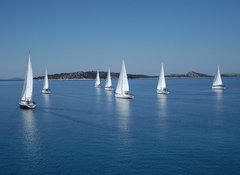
(82, 35)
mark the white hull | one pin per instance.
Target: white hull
(218, 87)
(46, 91)
(162, 91)
(126, 96)
(109, 89)
(27, 104)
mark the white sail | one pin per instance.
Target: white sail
(161, 87)
(97, 82)
(161, 82)
(122, 85)
(108, 80)
(217, 79)
(28, 83)
(45, 83)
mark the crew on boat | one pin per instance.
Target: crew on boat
(165, 89)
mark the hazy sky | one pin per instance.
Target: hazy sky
(68, 35)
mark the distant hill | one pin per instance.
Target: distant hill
(231, 75)
(88, 75)
(12, 79)
(191, 74)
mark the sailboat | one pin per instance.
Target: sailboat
(97, 82)
(27, 100)
(217, 82)
(108, 86)
(122, 90)
(161, 87)
(46, 89)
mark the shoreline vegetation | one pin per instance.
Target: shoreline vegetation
(91, 75)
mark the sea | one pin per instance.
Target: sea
(79, 129)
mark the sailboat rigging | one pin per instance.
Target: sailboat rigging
(27, 100)
(46, 89)
(97, 82)
(161, 87)
(122, 90)
(108, 85)
(217, 82)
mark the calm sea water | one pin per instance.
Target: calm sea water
(82, 130)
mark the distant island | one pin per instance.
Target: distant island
(12, 79)
(89, 75)
(191, 74)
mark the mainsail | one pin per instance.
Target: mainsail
(122, 85)
(97, 82)
(108, 80)
(217, 79)
(28, 83)
(161, 82)
(45, 84)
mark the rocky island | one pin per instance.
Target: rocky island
(191, 74)
(88, 75)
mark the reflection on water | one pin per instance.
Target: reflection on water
(218, 98)
(98, 91)
(123, 112)
(46, 100)
(162, 112)
(98, 97)
(109, 99)
(218, 93)
(109, 95)
(30, 135)
(162, 103)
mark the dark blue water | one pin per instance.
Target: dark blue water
(81, 130)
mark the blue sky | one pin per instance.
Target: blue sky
(81, 35)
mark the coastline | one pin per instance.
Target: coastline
(91, 75)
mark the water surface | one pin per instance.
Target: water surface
(79, 129)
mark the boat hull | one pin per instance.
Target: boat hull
(27, 105)
(46, 91)
(125, 96)
(109, 89)
(218, 87)
(162, 91)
